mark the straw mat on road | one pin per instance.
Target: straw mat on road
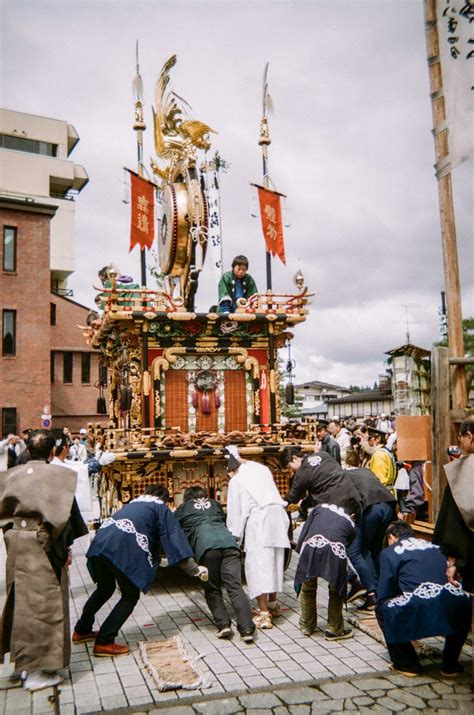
(170, 666)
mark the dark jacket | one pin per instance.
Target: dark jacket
(131, 538)
(322, 547)
(414, 594)
(369, 487)
(331, 447)
(203, 522)
(326, 482)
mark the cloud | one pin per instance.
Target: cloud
(351, 148)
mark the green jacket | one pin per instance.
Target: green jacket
(203, 522)
(227, 298)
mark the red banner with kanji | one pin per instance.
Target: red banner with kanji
(272, 224)
(142, 230)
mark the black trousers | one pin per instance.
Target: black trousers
(225, 570)
(108, 576)
(404, 657)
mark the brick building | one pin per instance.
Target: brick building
(44, 360)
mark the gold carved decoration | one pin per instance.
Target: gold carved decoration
(170, 354)
(159, 365)
(146, 383)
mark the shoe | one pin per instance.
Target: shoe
(247, 636)
(263, 620)
(274, 609)
(38, 680)
(79, 638)
(368, 606)
(356, 591)
(406, 673)
(110, 650)
(224, 632)
(306, 633)
(346, 633)
(452, 672)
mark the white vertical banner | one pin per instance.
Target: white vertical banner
(455, 20)
(214, 241)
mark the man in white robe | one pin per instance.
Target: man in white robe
(256, 516)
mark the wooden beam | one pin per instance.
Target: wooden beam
(440, 423)
(448, 226)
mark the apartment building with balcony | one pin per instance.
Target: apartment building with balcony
(44, 363)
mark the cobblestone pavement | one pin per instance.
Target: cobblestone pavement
(282, 671)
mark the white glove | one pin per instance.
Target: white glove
(203, 573)
(107, 458)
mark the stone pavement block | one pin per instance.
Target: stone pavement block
(339, 670)
(296, 696)
(110, 702)
(408, 698)
(281, 710)
(227, 706)
(391, 704)
(137, 691)
(326, 706)
(260, 700)
(68, 709)
(129, 681)
(363, 700)
(168, 696)
(437, 704)
(340, 690)
(219, 668)
(80, 666)
(272, 672)
(178, 710)
(300, 709)
(231, 681)
(442, 688)
(375, 684)
(401, 680)
(255, 681)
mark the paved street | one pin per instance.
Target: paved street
(281, 663)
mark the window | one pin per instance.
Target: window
(52, 314)
(31, 146)
(67, 368)
(51, 367)
(9, 248)
(8, 421)
(9, 333)
(85, 368)
(103, 375)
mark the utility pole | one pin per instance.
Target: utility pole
(448, 227)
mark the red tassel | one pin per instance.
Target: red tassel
(217, 400)
(205, 404)
(195, 400)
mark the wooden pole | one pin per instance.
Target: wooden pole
(440, 423)
(448, 227)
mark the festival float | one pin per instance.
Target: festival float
(181, 385)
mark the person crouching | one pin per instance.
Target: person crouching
(322, 546)
(125, 551)
(415, 599)
(203, 522)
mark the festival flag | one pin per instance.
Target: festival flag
(214, 240)
(272, 224)
(142, 229)
(456, 50)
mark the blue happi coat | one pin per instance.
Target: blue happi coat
(322, 547)
(131, 538)
(416, 599)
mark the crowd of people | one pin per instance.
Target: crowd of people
(351, 538)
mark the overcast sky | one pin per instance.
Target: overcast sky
(351, 147)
